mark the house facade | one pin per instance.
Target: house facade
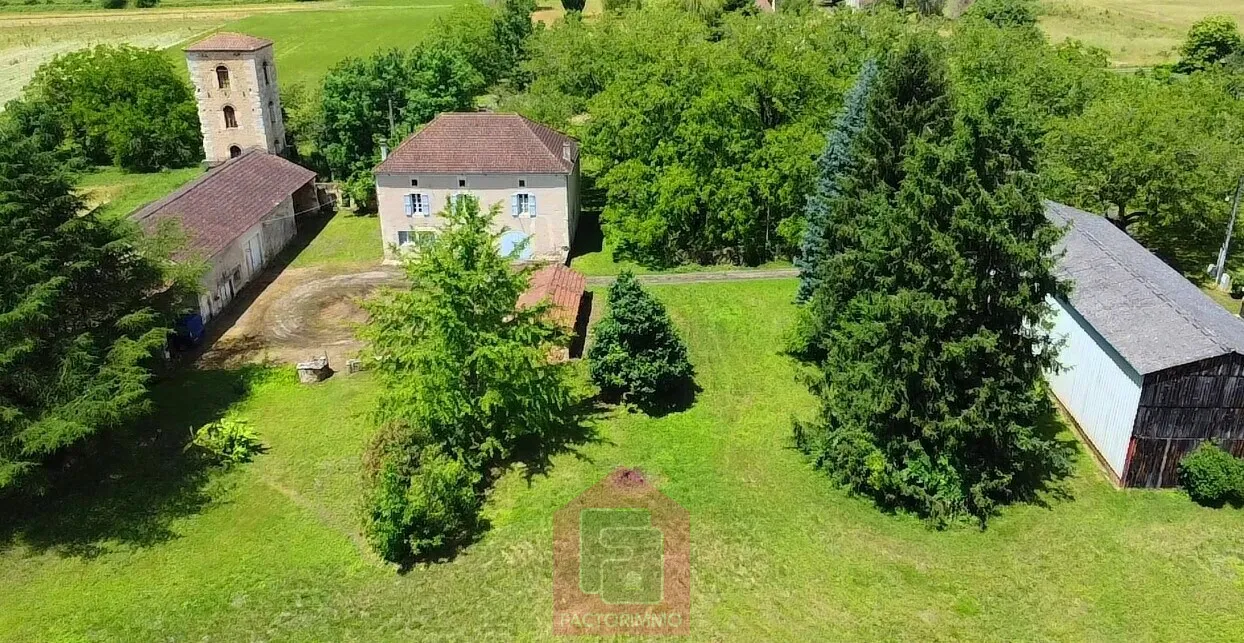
(526, 170)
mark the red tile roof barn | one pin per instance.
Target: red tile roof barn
(228, 200)
(481, 142)
(227, 41)
(562, 287)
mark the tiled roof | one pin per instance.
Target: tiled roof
(480, 142)
(1147, 311)
(227, 41)
(559, 285)
(228, 200)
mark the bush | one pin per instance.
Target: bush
(230, 440)
(637, 356)
(1212, 476)
(1209, 42)
(420, 505)
(573, 5)
(1014, 14)
(146, 4)
(112, 4)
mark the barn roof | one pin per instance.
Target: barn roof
(228, 41)
(1149, 313)
(559, 285)
(482, 142)
(226, 201)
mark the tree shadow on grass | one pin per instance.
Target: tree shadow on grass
(127, 487)
(569, 435)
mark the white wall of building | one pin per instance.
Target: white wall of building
(551, 228)
(1096, 386)
(239, 262)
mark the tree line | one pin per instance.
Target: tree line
(703, 130)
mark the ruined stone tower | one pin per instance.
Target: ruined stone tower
(234, 78)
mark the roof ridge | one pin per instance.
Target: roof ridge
(1157, 292)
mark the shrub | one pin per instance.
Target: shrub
(230, 440)
(573, 5)
(112, 4)
(146, 4)
(419, 504)
(1016, 14)
(1209, 42)
(637, 355)
(1211, 476)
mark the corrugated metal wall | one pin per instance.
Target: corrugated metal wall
(1097, 387)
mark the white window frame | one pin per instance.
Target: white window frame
(412, 236)
(523, 205)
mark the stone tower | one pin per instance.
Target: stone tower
(234, 78)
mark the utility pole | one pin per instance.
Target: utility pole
(1221, 267)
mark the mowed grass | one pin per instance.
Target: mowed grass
(118, 193)
(308, 43)
(269, 550)
(345, 239)
(1135, 32)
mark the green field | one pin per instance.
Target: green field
(119, 193)
(165, 550)
(346, 239)
(1135, 32)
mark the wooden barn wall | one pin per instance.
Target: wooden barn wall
(1181, 407)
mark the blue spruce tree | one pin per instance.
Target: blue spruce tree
(835, 161)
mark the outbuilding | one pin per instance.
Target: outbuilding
(237, 216)
(1151, 366)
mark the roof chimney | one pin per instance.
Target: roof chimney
(567, 151)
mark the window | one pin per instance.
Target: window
(231, 119)
(234, 151)
(418, 205)
(265, 73)
(414, 183)
(272, 112)
(222, 77)
(456, 198)
(522, 183)
(414, 238)
(461, 182)
(523, 205)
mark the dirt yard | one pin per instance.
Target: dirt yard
(295, 315)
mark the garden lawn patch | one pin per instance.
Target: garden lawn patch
(346, 238)
(118, 193)
(777, 552)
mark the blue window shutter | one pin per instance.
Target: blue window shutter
(513, 205)
(427, 204)
(410, 205)
(531, 199)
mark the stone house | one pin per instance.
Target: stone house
(530, 171)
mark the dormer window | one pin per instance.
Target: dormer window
(222, 77)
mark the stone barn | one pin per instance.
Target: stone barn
(1152, 366)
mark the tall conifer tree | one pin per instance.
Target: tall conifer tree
(931, 306)
(834, 162)
(84, 304)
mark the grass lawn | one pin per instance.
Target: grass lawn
(118, 193)
(345, 239)
(1135, 32)
(269, 551)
